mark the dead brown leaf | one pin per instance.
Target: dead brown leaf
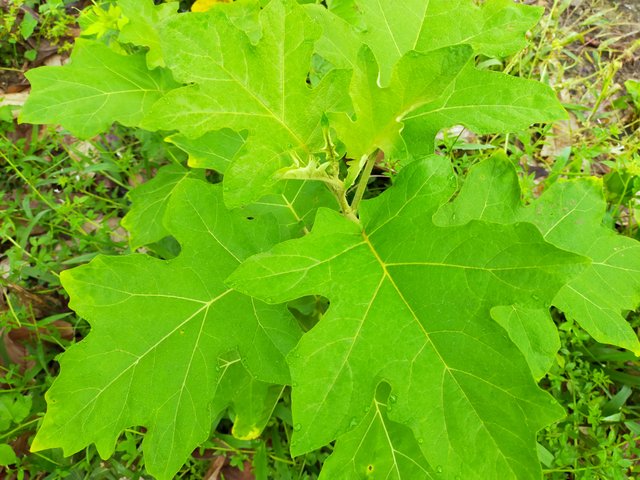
(214, 469)
(19, 340)
(221, 469)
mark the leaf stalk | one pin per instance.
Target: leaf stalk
(364, 178)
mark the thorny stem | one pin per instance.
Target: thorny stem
(341, 195)
(335, 184)
(329, 147)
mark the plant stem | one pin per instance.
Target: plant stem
(364, 179)
(341, 197)
(18, 428)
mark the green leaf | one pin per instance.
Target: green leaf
(295, 206)
(491, 192)
(379, 111)
(378, 448)
(143, 26)
(485, 102)
(14, 408)
(7, 455)
(410, 305)
(569, 215)
(98, 87)
(633, 87)
(245, 14)
(251, 401)
(214, 150)
(260, 463)
(339, 43)
(159, 331)
(534, 332)
(258, 88)
(102, 21)
(391, 29)
(149, 203)
(456, 93)
(28, 25)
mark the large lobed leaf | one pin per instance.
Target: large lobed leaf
(417, 73)
(393, 28)
(162, 333)
(410, 306)
(260, 88)
(403, 118)
(98, 87)
(380, 112)
(569, 215)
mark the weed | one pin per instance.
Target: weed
(35, 29)
(63, 199)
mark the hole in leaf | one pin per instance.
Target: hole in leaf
(308, 310)
(213, 176)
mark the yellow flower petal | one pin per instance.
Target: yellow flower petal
(204, 5)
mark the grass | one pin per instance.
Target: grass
(62, 200)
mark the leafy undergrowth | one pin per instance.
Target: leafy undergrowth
(598, 385)
(63, 201)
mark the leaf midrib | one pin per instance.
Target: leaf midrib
(447, 369)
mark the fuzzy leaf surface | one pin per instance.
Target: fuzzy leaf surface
(259, 88)
(569, 215)
(410, 306)
(159, 331)
(98, 87)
